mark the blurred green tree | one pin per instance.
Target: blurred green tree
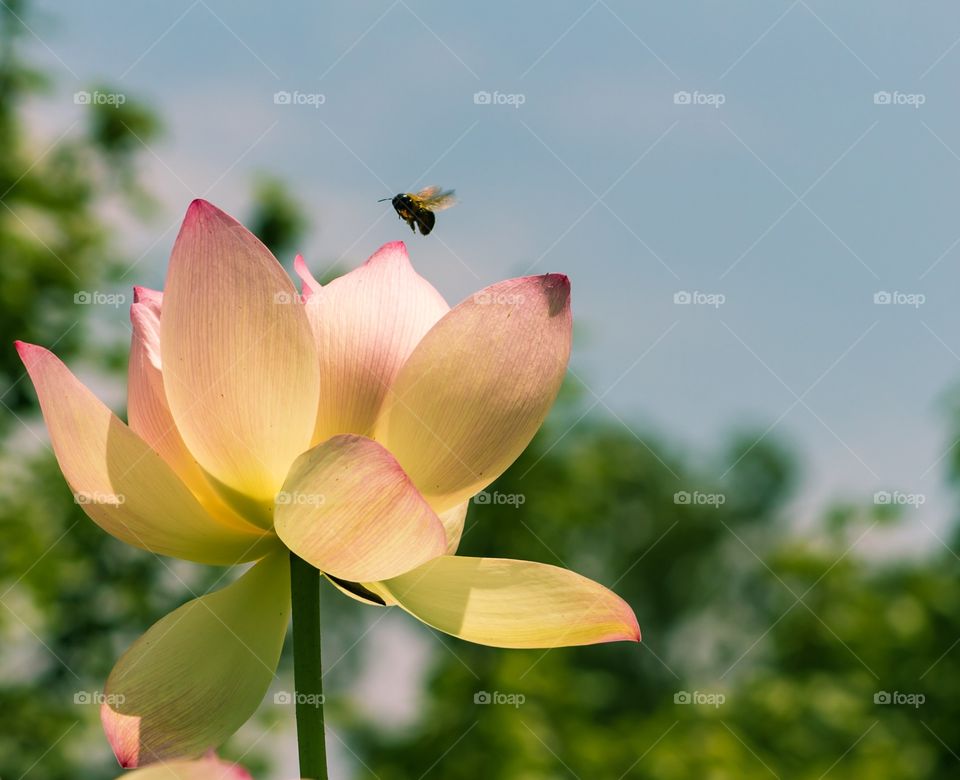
(798, 634)
(277, 218)
(53, 242)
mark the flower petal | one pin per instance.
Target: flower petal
(209, 768)
(123, 485)
(308, 284)
(453, 520)
(147, 411)
(348, 509)
(358, 591)
(239, 362)
(198, 674)
(505, 603)
(367, 323)
(478, 386)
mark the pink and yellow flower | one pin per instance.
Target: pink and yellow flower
(351, 425)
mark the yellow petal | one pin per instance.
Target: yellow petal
(148, 413)
(506, 603)
(122, 484)
(367, 323)
(453, 520)
(199, 673)
(348, 509)
(239, 362)
(478, 386)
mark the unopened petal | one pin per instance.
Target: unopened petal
(198, 674)
(477, 387)
(239, 363)
(507, 603)
(367, 323)
(348, 509)
(122, 483)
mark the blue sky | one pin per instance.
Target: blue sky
(798, 198)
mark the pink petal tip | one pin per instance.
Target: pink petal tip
(556, 287)
(389, 251)
(145, 294)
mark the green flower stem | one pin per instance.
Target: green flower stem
(307, 668)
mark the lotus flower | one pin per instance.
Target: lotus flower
(350, 425)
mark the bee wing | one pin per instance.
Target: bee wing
(435, 199)
(427, 192)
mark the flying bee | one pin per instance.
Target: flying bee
(416, 208)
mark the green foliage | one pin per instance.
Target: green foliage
(78, 599)
(277, 219)
(796, 633)
(53, 243)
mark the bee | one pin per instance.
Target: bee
(416, 208)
